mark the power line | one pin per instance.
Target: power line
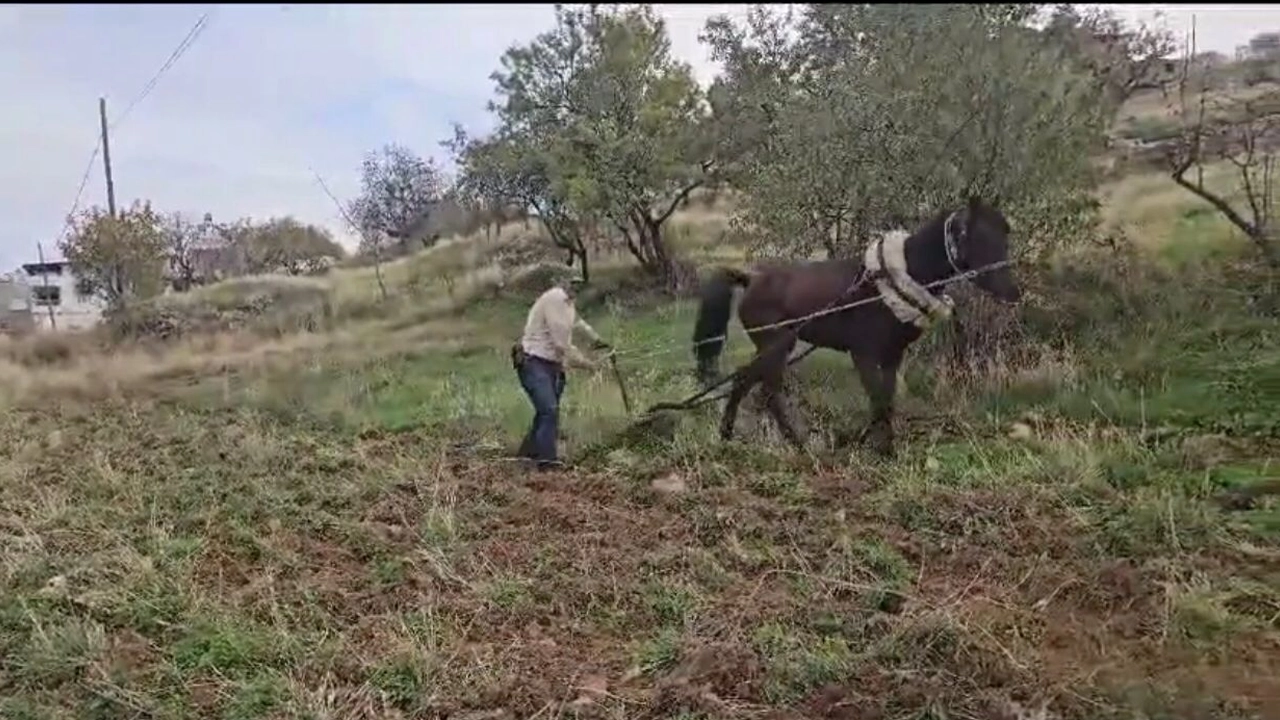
(187, 41)
(192, 35)
(84, 180)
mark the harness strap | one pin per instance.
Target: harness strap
(908, 300)
(902, 293)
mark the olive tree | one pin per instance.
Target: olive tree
(507, 169)
(485, 185)
(286, 245)
(118, 257)
(600, 122)
(879, 114)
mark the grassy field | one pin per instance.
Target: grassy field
(320, 523)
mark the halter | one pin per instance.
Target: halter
(954, 243)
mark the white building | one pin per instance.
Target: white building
(50, 289)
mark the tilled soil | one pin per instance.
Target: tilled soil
(1009, 610)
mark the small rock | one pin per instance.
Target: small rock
(671, 484)
(1020, 431)
(931, 464)
(57, 586)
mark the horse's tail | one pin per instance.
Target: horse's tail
(712, 322)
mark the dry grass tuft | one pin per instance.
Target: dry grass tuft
(243, 524)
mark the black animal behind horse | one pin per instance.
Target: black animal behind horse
(875, 334)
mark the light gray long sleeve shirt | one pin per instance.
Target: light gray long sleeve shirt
(548, 330)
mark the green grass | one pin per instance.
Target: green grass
(336, 536)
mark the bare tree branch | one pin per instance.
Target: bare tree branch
(1244, 139)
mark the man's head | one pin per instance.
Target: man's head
(571, 285)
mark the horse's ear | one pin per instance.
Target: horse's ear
(973, 203)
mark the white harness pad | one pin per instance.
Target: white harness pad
(899, 291)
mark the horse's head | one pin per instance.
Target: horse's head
(984, 241)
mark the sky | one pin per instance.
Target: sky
(268, 95)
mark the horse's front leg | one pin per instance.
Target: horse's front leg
(880, 381)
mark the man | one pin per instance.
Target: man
(540, 358)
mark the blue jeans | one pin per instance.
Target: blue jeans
(543, 382)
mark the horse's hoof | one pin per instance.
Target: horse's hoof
(881, 442)
(883, 446)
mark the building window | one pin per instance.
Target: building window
(45, 295)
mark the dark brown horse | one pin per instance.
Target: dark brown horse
(972, 239)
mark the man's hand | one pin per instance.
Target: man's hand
(599, 344)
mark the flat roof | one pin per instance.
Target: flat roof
(46, 266)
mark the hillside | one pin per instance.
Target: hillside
(1150, 123)
(293, 496)
(307, 513)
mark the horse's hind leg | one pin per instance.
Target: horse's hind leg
(768, 356)
(774, 401)
(741, 386)
(774, 349)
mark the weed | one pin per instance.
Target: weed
(314, 523)
(658, 653)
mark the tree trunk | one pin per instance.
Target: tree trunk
(583, 267)
(1268, 247)
(648, 246)
(831, 244)
(652, 238)
(570, 239)
(631, 243)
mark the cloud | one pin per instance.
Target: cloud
(265, 94)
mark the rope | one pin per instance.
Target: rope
(700, 398)
(866, 301)
(637, 354)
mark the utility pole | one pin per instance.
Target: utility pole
(106, 157)
(44, 275)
